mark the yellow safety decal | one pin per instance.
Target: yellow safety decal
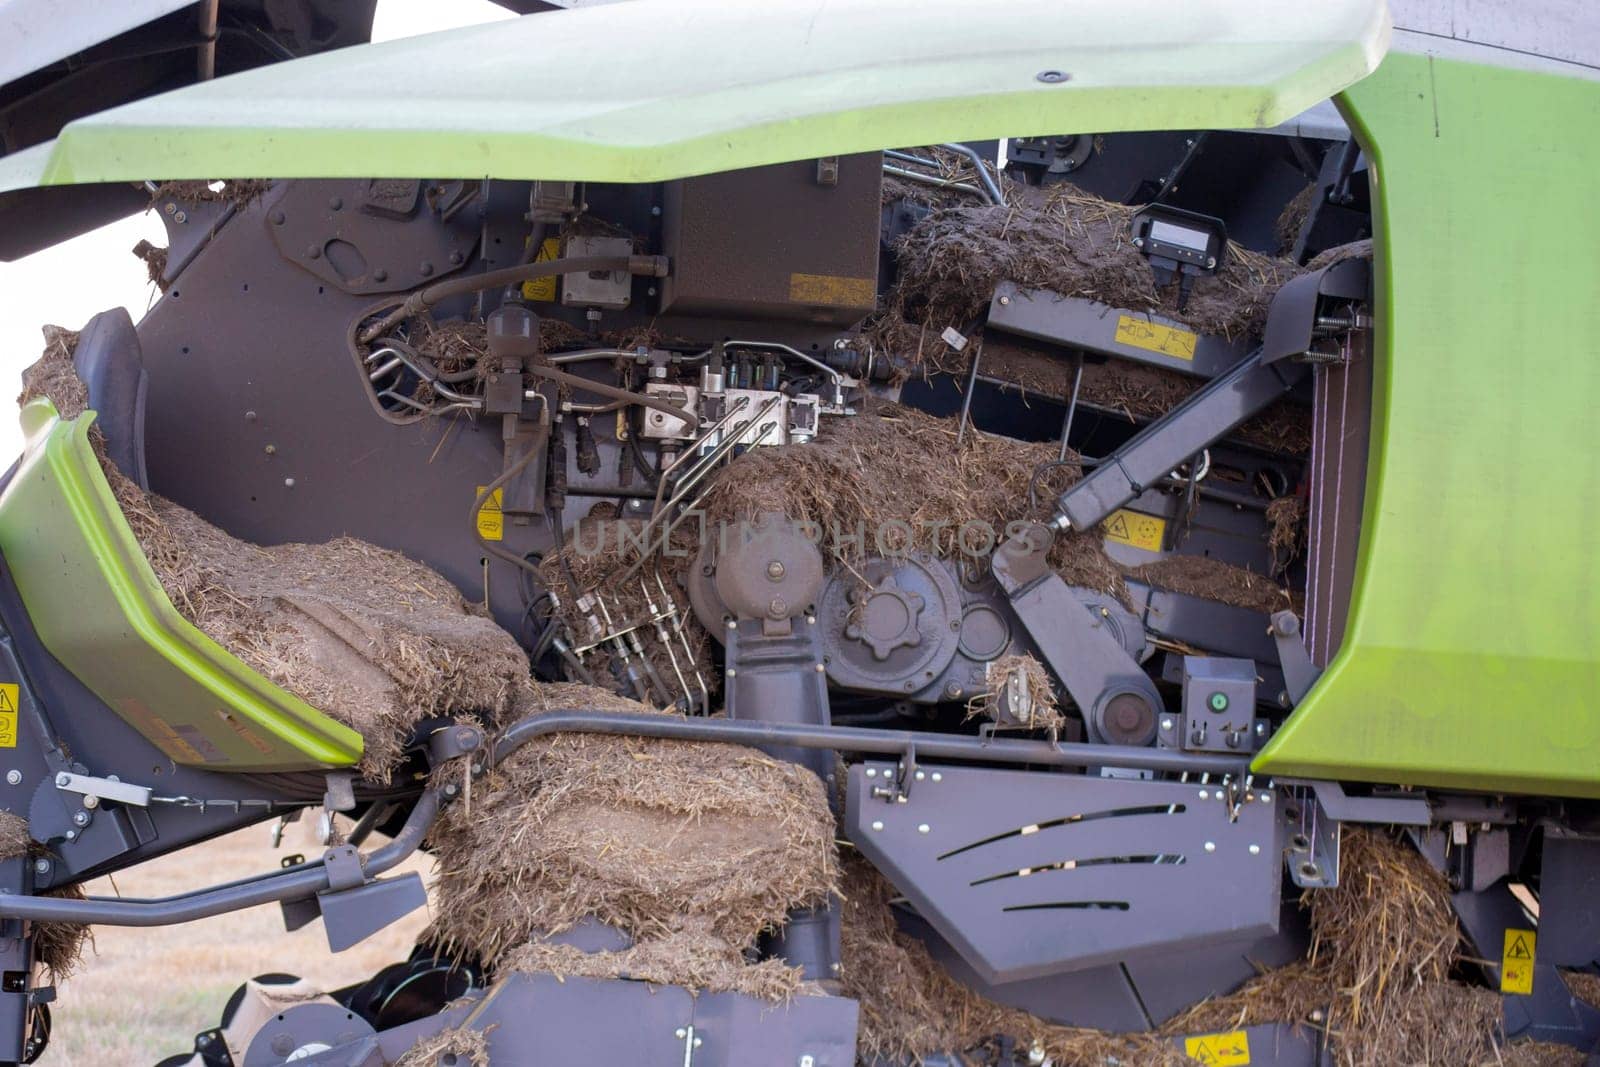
(1220, 1050)
(1154, 337)
(832, 289)
(1516, 962)
(9, 695)
(542, 288)
(491, 521)
(1137, 529)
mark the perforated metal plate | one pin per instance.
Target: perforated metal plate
(1032, 873)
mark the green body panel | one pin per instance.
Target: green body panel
(652, 90)
(1473, 654)
(98, 607)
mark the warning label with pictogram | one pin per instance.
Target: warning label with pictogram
(9, 695)
(1516, 962)
(491, 520)
(1137, 529)
(1219, 1050)
(1154, 337)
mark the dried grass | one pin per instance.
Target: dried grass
(1034, 681)
(676, 844)
(1212, 579)
(450, 1048)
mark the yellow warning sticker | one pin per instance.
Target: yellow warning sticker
(1137, 529)
(542, 288)
(1154, 337)
(1516, 962)
(9, 695)
(491, 520)
(832, 289)
(1220, 1050)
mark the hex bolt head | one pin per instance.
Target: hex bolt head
(41, 866)
(13, 777)
(62, 779)
(80, 818)
(775, 570)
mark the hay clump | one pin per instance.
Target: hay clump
(690, 849)
(1213, 579)
(58, 946)
(469, 1048)
(374, 639)
(1032, 682)
(1286, 530)
(1072, 243)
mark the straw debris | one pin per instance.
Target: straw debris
(58, 946)
(1032, 682)
(456, 1048)
(690, 849)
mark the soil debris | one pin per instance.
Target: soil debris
(240, 192)
(690, 849)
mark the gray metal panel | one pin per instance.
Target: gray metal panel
(1543, 35)
(741, 1031)
(1087, 324)
(1569, 886)
(957, 844)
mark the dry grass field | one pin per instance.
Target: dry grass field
(141, 995)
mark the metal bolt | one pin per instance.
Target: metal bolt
(732, 673)
(821, 668)
(1138, 242)
(655, 210)
(313, 252)
(203, 1039)
(732, 625)
(380, 275)
(921, 776)
(1036, 1055)
(170, 207)
(1266, 798)
(807, 1060)
(872, 772)
(288, 483)
(91, 801)
(922, 828)
(1166, 724)
(335, 203)
(697, 1042)
(13, 777)
(938, 777)
(1211, 846)
(279, 218)
(877, 825)
(249, 416)
(1205, 794)
(62, 779)
(72, 835)
(80, 818)
(1052, 77)
(181, 217)
(1261, 729)
(1211, 262)
(425, 269)
(680, 1033)
(455, 258)
(271, 450)
(775, 570)
(1004, 300)
(450, 790)
(1255, 850)
(41, 866)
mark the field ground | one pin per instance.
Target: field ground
(142, 995)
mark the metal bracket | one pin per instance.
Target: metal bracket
(1299, 673)
(1312, 849)
(905, 771)
(343, 864)
(108, 788)
(458, 740)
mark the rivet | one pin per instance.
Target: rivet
(72, 835)
(335, 203)
(380, 275)
(821, 668)
(1211, 846)
(272, 450)
(1255, 850)
(920, 776)
(1004, 300)
(732, 625)
(455, 258)
(425, 269)
(732, 672)
(14, 777)
(313, 252)
(872, 772)
(1205, 794)
(922, 828)
(1266, 798)
(680, 1033)
(249, 416)
(877, 825)
(938, 777)
(288, 483)
(697, 1042)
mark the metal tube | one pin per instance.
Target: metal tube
(984, 176)
(206, 61)
(1072, 406)
(848, 739)
(929, 179)
(218, 900)
(966, 400)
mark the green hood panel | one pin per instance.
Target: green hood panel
(99, 608)
(660, 89)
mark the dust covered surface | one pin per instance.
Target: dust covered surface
(58, 946)
(374, 639)
(240, 192)
(1377, 978)
(691, 849)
